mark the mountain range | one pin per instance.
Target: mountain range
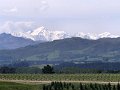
(42, 34)
(13, 40)
(41, 45)
(66, 50)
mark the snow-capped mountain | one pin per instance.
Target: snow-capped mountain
(107, 35)
(95, 36)
(42, 34)
(86, 36)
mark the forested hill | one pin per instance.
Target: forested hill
(71, 49)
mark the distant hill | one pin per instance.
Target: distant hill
(74, 49)
(8, 41)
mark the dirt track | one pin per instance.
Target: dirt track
(46, 82)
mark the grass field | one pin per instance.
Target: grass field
(18, 86)
(62, 77)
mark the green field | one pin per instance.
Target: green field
(18, 86)
(62, 77)
(38, 81)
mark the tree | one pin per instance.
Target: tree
(81, 86)
(48, 69)
(118, 86)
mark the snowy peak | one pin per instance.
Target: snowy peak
(105, 34)
(42, 34)
(86, 36)
(38, 31)
(30, 30)
(108, 35)
(95, 36)
(22, 34)
(58, 35)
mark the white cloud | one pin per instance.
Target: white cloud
(12, 10)
(11, 26)
(69, 15)
(42, 5)
(23, 8)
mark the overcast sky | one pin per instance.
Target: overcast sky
(93, 16)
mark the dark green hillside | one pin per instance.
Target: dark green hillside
(105, 45)
(71, 49)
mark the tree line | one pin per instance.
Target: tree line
(48, 69)
(31, 70)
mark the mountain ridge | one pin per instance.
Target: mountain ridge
(7, 41)
(43, 34)
(70, 49)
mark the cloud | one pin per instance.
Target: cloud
(12, 10)
(42, 5)
(11, 26)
